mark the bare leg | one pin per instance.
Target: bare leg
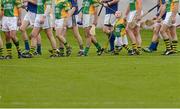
(166, 39)
(174, 39)
(51, 38)
(78, 36)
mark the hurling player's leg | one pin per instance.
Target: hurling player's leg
(8, 45)
(155, 40)
(118, 44)
(125, 44)
(52, 40)
(138, 39)
(108, 30)
(61, 45)
(88, 41)
(60, 35)
(166, 39)
(24, 34)
(61, 48)
(38, 49)
(1, 48)
(133, 39)
(111, 41)
(34, 34)
(174, 39)
(111, 37)
(78, 38)
(97, 45)
(16, 42)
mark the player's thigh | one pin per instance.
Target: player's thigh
(157, 28)
(35, 32)
(24, 25)
(1, 42)
(59, 31)
(13, 33)
(7, 35)
(136, 31)
(172, 30)
(48, 32)
(76, 30)
(164, 28)
(107, 29)
(87, 32)
(59, 27)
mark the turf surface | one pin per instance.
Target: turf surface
(150, 80)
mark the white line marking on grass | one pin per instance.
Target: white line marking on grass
(94, 103)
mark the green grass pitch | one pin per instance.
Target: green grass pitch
(150, 80)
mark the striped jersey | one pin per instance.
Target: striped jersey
(61, 8)
(170, 5)
(132, 5)
(119, 28)
(41, 6)
(10, 7)
(89, 6)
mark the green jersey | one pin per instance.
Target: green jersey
(119, 28)
(89, 6)
(10, 7)
(61, 9)
(170, 5)
(41, 6)
(132, 4)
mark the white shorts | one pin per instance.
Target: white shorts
(59, 23)
(131, 16)
(109, 19)
(52, 20)
(87, 20)
(30, 17)
(120, 41)
(167, 20)
(9, 23)
(72, 20)
(46, 25)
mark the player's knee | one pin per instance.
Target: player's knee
(22, 29)
(156, 31)
(162, 31)
(32, 36)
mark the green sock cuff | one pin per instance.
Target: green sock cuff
(166, 39)
(175, 41)
(97, 45)
(86, 50)
(25, 41)
(32, 50)
(1, 51)
(38, 44)
(8, 45)
(81, 47)
(16, 43)
(65, 43)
